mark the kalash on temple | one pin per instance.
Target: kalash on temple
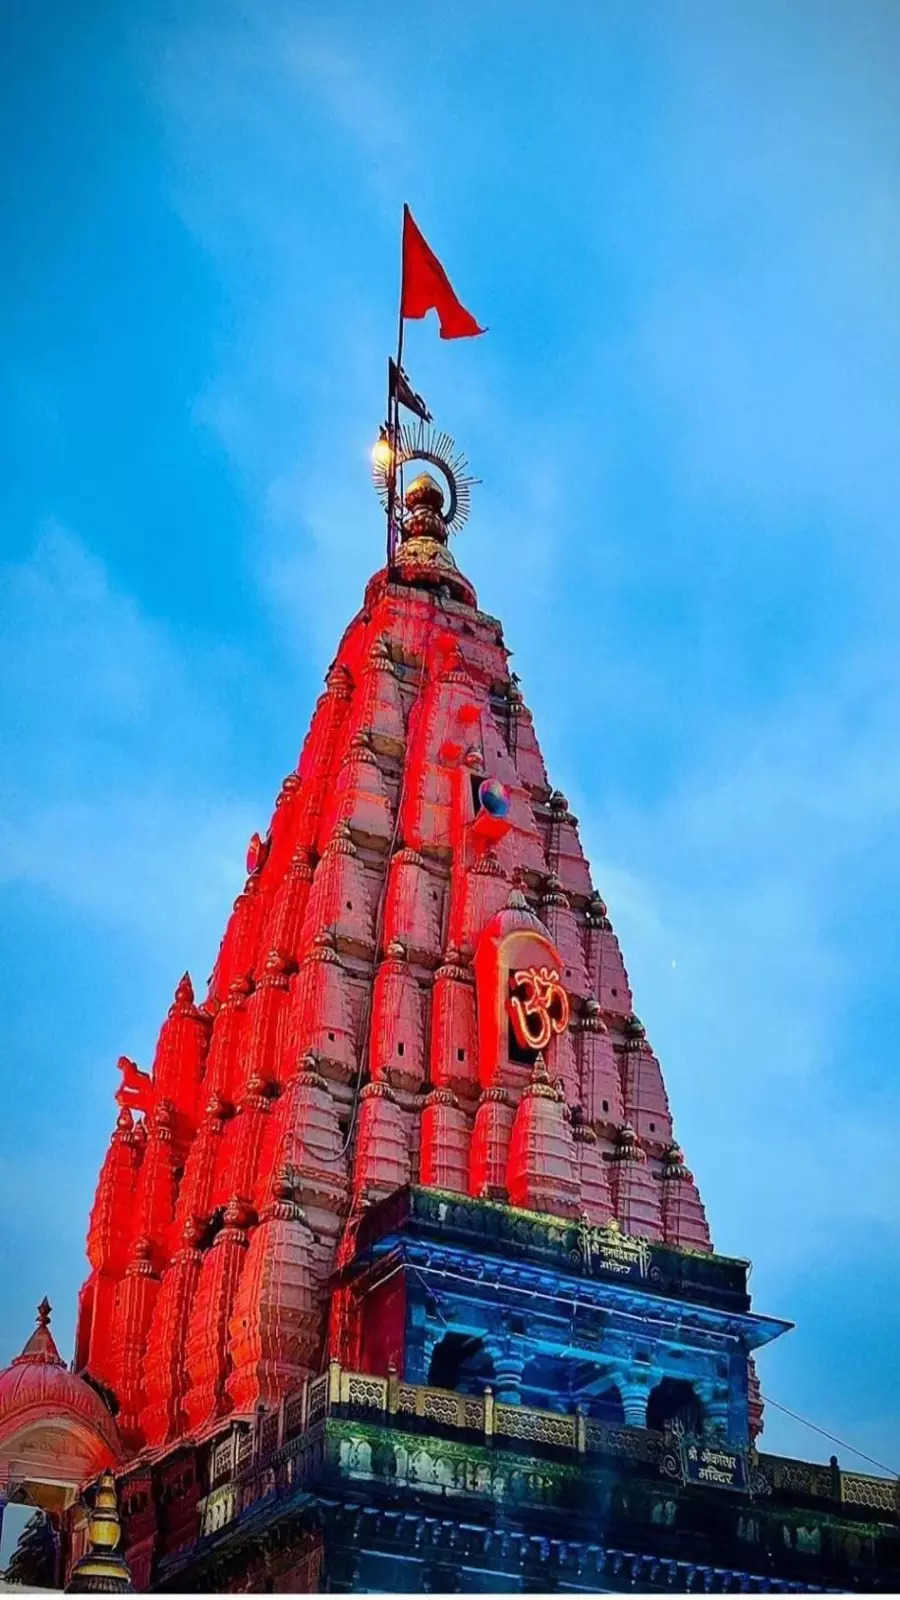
(398, 1279)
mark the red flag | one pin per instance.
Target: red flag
(426, 286)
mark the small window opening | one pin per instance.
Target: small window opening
(606, 1105)
(615, 993)
(331, 1037)
(518, 1052)
(460, 1054)
(653, 1127)
(400, 1052)
(349, 905)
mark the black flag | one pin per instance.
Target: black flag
(401, 390)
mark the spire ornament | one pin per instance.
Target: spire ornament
(418, 442)
(102, 1571)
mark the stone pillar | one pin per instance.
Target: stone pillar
(717, 1410)
(714, 1398)
(488, 1414)
(509, 1361)
(580, 1428)
(634, 1387)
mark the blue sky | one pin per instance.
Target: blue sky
(681, 223)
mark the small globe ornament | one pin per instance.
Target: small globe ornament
(494, 797)
(424, 501)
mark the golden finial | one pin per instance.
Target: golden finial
(101, 1571)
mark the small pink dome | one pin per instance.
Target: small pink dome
(38, 1384)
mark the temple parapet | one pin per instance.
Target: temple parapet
(327, 1463)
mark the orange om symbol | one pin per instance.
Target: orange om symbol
(538, 1006)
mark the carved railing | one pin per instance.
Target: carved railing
(316, 1399)
(878, 1494)
(268, 1433)
(536, 1427)
(221, 1465)
(637, 1444)
(395, 1403)
(816, 1482)
(295, 1414)
(808, 1478)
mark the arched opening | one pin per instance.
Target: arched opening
(459, 1361)
(675, 1400)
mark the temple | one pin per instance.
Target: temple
(397, 1276)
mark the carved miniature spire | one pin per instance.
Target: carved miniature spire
(339, 895)
(410, 909)
(491, 1136)
(601, 1084)
(184, 994)
(542, 1174)
(646, 1102)
(382, 706)
(360, 800)
(397, 1029)
(382, 1149)
(107, 1230)
(446, 1132)
(274, 1330)
(156, 1189)
(165, 1376)
(683, 1216)
(206, 1343)
(319, 1015)
(454, 1033)
(634, 1191)
(309, 1142)
(290, 903)
(41, 1345)
(563, 928)
(135, 1300)
(596, 1200)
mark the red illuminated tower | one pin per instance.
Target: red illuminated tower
(404, 1184)
(356, 1036)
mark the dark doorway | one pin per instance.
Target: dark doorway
(674, 1400)
(459, 1361)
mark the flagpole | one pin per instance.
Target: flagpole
(394, 413)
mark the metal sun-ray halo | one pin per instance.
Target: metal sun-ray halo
(415, 442)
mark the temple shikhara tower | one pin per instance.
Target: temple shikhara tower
(397, 1275)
